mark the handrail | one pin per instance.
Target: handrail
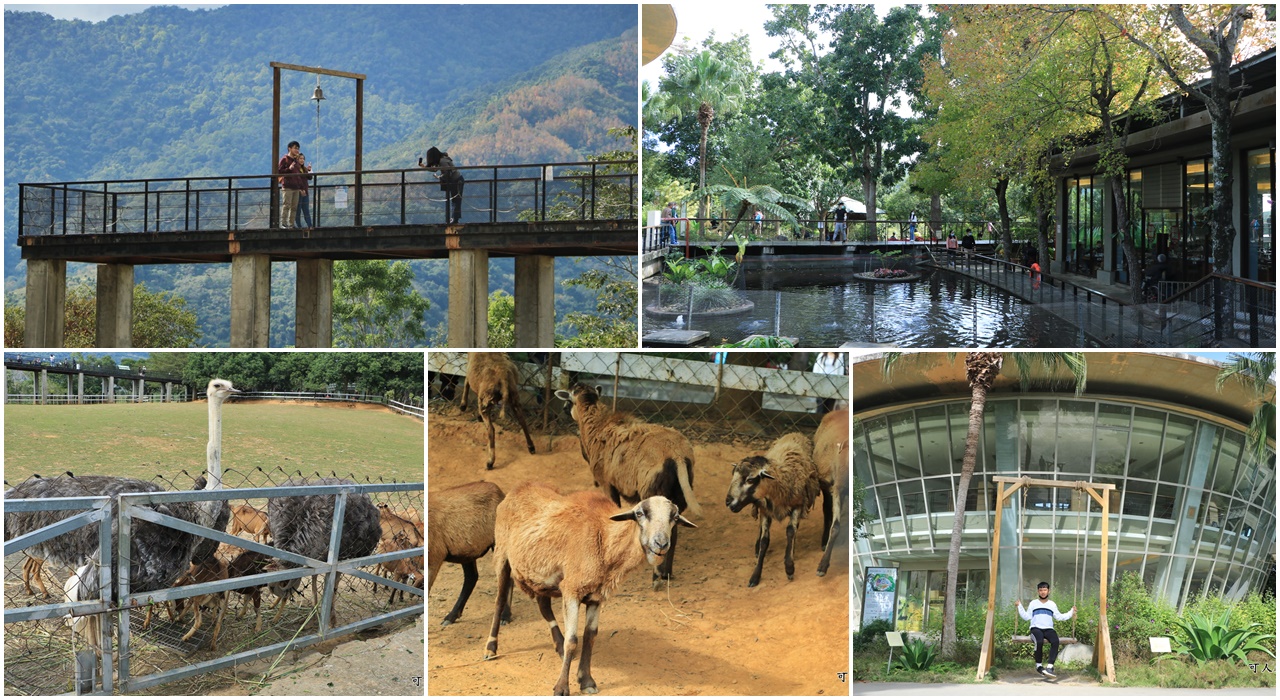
(1227, 278)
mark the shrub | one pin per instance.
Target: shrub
(917, 655)
(1134, 616)
(870, 633)
(1206, 639)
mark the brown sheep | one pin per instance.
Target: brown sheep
(249, 563)
(394, 523)
(460, 531)
(633, 460)
(402, 570)
(579, 547)
(783, 483)
(492, 376)
(831, 456)
(33, 568)
(246, 518)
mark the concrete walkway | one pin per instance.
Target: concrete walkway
(1036, 686)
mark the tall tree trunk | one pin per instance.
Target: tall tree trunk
(1126, 240)
(702, 175)
(1006, 226)
(981, 369)
(935, 215)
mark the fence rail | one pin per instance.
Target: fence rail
(338, 397)
(604, 190)
(38, 643)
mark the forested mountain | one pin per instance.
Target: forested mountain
(174, 92)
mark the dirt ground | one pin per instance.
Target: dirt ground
(708, 634)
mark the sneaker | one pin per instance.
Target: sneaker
(1040, 670)
(1048, 672)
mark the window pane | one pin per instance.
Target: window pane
(903, 428)
(1112, 439)
(1075, 435)
(1177, 448)
(934, 440)
(1037, 428)
(881, 458)
(1144, 455)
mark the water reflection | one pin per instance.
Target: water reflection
(821, 305)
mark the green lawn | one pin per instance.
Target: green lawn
(143, 440)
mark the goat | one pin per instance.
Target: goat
(576, 546)
(460, 531)
(831, 455)
(249, 563)
(394, 523)
(402, 570)
(492, 376)
(33, 568)
(783, 483)
(212, 569)
(246, 518)
(633, 460)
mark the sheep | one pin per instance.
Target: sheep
(633, 460)
(248, 519)
(831, 455)
(460, 531)
(394, 523)
(402, 570)
(492, 376)
(33, 568)
(783, 483)
(576, 546)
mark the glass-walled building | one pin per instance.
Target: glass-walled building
(1169, 191)
(1191, 510)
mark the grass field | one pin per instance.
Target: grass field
(142, 440)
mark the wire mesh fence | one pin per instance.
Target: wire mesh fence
(747, 397)
(165, 648)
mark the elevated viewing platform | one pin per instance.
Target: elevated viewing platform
(532, 212)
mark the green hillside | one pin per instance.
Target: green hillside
(175, 92)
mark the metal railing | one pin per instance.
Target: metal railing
(576, 191)
(292, 633)
(338, 397)
(64, 400)
(1215, 311)
(856, 231)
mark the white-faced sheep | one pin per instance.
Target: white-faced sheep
(782, 484)
(578, 547)
(460, 531)
(831, 456)
(492, 376)
(633, 460)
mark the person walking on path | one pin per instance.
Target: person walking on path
(1041, 615)
(292, 182)
(842, 215)
(953, 247)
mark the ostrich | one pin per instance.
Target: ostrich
(304, 524)
(159, 555)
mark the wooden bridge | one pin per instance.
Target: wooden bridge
(534, 213)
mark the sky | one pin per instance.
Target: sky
(695, 20)
(92, 12)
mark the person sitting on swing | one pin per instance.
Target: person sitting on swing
(1042, 614)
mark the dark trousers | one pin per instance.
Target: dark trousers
(1040, 637)
(453, 201)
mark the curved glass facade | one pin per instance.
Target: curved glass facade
(1190, 511)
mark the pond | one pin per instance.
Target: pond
(825, 307)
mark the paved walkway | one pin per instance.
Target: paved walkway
(1035, 686)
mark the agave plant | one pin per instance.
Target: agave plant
(917, 655)
(1205, 640)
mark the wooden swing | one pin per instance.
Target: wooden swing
(1103, 655)
(1075, 589)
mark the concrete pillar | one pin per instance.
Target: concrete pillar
(468, 298)
(109, 389)
(80, 387)
(115, 306)
(535, 301)
(250, 301)
(314, 327)
(69, 394)
(1172, 568)
(43, 390)
(46, 303)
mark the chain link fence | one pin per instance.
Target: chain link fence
(744, 397)
(39, 654)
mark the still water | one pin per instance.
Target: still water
(825, 307)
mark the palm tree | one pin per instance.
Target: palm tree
(981, 369)
(1255, 371)
(702, 84)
